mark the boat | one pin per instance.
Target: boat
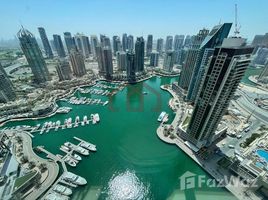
(161, 116)
(65, 148)
(70, 161)
(105, 103)
(77, 148)
(95, 118)
(165, 119)
(76, 157)
(55, 196)
(88, 146)
(75, 179)
(62, 190)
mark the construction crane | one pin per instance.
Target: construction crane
(236, 32)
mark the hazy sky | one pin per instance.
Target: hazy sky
(137, 17)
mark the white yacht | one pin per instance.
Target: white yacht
(77, 148)
(88, 146)
(76, 157)
(70, 161)
(55, 196)
(62, 190)
(70, 177)
(65, 148)
(95, 118)
(161, 116)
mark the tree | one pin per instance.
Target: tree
(43, 167)
(24, 159)
(31, 164)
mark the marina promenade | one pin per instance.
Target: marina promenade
(52, 167)
(210, 166)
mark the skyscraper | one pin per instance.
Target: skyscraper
(180, 56)
(131, 71)
(63, 70)
(45, 42)
(124, 42)
(178, 42)
(169, 42)
(108, 62)
(6, 87)
(130, 42)
(78, 64)
(139, 54)
(34, 56)
(168, 61)
(116, 44)
(154, 59)
(94, 44)
(160, 45)
(149, 45)
(59, 46)
(82, 42)
(187, 41)
(69, 41)
(190, 60)
(121, 57)
(99, 56)
(213, 39)
(223, 75)
(105, 41)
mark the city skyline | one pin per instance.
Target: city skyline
(97, 17)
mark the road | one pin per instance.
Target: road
(246, 103)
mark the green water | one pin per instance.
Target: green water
(131, 162)
(251, 71)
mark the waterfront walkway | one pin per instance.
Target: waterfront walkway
(210, 166)
(52, 167)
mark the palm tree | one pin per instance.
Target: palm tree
(19, 139)
(31, 164)
(24, 159)
(43, 167)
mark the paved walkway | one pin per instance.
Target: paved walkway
(210, 166)
(52, 167)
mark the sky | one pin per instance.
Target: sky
(136, 17)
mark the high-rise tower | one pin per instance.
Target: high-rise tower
(63, 70)
(222, 77)
(34, 56)
(169, 42)
(169, 61)
(178, 42)
(139, 54)
(69, 41)
(121, 57)
(124, 42)
(149, 45)
(160, 45)
(59, 46)
(190, 60)
(108, 62)
(213, 39)
(131, 72)
(6, 87)
(45, 42)
(78, 64)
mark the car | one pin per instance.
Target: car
(247, 130)
(239, 136)
(231, 146)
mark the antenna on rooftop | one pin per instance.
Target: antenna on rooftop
(236, 32)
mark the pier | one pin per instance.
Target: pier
(53, 157)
